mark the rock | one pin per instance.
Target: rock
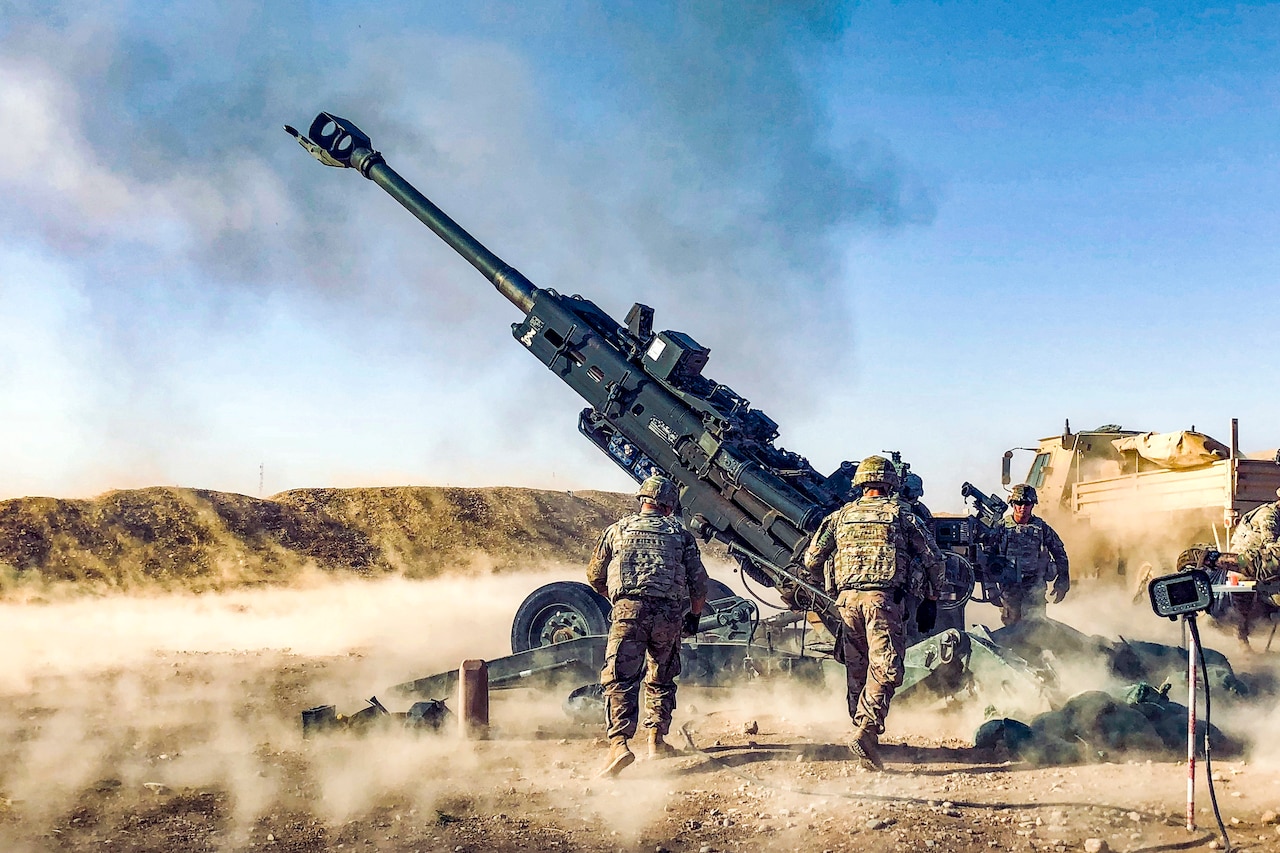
(157, 788)
(1269, 817)
(706, 848)
(1096, 845)
(1135, 817)
(751, 728)
(877, 823)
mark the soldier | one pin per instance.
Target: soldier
(1032, 555)
(1259, 530)
(871, 543)
(1255, 554)
(648, 565)
(1255, 550)
(912, 491)
(1257, 541)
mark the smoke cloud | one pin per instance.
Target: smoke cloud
(677, 157)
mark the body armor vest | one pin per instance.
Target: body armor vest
(648, 558)
(871, 546)
(1023, 546)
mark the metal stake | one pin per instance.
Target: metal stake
(1191, 724)
(473, 699)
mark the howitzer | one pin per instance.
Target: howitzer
(651, 409)
(649, 406)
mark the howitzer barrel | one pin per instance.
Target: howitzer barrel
(337, 142)
(650, 408)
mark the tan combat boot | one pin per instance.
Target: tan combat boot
(866, 748)
(659, 748)
(620, 757)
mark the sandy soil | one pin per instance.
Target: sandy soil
(172, 724)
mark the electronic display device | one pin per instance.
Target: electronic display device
(1177, 595)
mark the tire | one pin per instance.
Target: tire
(559, 611)
(959, 582)
(717, 590)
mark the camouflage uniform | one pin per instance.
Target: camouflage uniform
(1259, 532)
(912, 491)
(1257, 541)
(1033, 554)
(872, 542)
(648, 565)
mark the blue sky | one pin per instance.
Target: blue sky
(940, 228)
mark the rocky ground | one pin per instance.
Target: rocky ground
(171, 723)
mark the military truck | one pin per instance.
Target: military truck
(1120, 497)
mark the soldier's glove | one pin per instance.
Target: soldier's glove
(927, 615)
(690, 625)
(1060, 591)
(1197, 558)
(1242, 562)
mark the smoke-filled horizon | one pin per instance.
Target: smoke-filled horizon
(939, 231)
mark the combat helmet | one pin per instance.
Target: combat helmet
(1023, 492)
(660, 490)
(912, 487)
(876, 470)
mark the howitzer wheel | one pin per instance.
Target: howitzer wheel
(960, 579)
(717, 590)
(559, 611)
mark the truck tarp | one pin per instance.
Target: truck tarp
(1174, 449)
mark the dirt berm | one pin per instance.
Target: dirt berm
(202, 539)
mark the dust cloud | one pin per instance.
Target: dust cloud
(193, 691)
(393, 619)
(121, 705)
(1137, 539)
